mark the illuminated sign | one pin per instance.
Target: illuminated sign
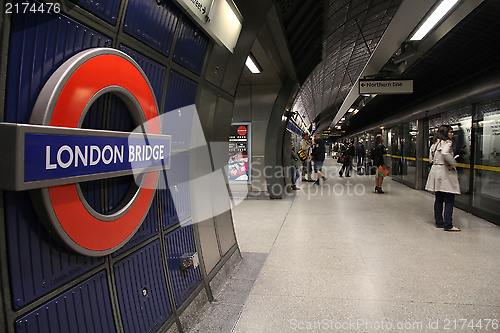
(198, 8)
(53, 154)
(220, 19)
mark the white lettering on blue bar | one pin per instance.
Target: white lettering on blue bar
(66, 156)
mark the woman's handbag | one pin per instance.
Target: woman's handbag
(341, 159)
(382, 171)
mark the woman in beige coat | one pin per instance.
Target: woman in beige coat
(443, 178)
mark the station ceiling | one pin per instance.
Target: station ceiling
(333, 42)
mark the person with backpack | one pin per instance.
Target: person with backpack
(443, 178)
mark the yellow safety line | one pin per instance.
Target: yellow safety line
(460, 165)
(487, 167)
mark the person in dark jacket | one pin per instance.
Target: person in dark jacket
(378, 160)
(347, 154)
(360, 154)
(318, 157)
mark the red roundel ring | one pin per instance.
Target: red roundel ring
(63, 102)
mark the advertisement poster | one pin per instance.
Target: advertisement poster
(239, 153)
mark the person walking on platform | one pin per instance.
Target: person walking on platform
(318, 157)
(443, 178)
(305, 145)
(295, 168)
(360, 154)
(378, 160)
(347, 154)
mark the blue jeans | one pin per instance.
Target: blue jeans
(295, 175)
(448, 199)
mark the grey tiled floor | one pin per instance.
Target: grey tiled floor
(364, 262)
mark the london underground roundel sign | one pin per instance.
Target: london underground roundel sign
(63, 102)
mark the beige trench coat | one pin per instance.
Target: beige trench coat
(443, 176)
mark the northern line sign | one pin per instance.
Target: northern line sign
(385, 87)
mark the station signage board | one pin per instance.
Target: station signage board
(52, 154)
(197, 8)
(220, 19)
(42, 156)
(385, 87)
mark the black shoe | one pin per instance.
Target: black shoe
(316, 182)
(348, 176)
(340, 174)
(378, 190)
(324, 179)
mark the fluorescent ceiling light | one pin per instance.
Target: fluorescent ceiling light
(343, 118)
(252, 66)
(436, 16)
(350, 110)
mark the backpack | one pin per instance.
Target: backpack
(302, 155)
(372, 153)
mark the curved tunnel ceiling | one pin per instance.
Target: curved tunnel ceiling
(351, 31)
(359, 38)
(466, 55)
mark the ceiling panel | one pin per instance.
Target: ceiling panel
(470, 51)
(330, 51)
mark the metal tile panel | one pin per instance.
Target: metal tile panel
(153, 70)
(190, 47)
(142, 290)
(85, 308)
(92, 192)
(117, 189)
(119, 116)
(175, 200)
(181, 92)
(45, 42)
(177, 243)
(152, 22)
(148, 228)
(107, 10)
(94, 119)
(37, 264)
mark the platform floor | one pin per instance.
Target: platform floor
(341, 258)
